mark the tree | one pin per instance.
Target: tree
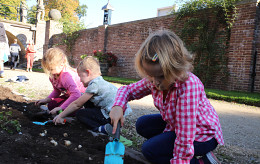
(81, 11)
(9, 9)
(67, 8)
(31, 17)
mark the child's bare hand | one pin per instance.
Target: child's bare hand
(55, 110)
(116, 114)
(58, 120)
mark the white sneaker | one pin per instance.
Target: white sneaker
(43, 107)
(212, 158)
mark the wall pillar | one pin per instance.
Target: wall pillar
(40, 38)
(101, 37)
(52, 27)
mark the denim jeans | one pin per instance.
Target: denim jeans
(91, 116)
(159, 146)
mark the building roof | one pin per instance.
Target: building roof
(107, 6)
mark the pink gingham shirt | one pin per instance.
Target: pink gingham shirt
(186, 110)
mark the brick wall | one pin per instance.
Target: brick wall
(257, 48)
(125, 39)
(241, 47)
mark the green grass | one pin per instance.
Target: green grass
(37, 70)
(234, 96)
(230, 96)
(120, 80)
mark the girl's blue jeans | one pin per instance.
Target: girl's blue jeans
(159, 146)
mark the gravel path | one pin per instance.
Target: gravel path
(240, 123)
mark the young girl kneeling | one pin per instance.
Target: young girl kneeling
(187, 126)
(66, 83)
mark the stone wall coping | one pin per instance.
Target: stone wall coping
(247, 1)
(20, 24)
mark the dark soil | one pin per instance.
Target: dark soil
(29, 147)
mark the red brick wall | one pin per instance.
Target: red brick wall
(241, 47)
(257, 46)
(125, 39)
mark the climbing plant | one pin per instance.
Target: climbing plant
(206, 33)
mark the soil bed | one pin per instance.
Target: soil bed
(29, 147)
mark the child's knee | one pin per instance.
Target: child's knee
(79, 114)
(149, 153)
(139, 125)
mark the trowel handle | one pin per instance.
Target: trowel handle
(117, 134)
(68, 119)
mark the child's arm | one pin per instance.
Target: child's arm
(124, 94)
(130, 92)
(75, 105)
(70, 85)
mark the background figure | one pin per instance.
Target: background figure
(3, 58)
(30, 51)
(4, 47)
(14, 50)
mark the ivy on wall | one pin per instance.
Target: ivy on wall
(70, 35)
(206, 33)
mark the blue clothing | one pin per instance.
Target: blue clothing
(160, 145)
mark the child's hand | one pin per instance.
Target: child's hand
(55, 110)
(42, 101)
(116, 114)
(58, 120)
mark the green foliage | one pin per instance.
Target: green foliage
(107, 57)
(9, 8)
(70, 29)
(120, 80)
(81, 11)
(234, 96)
(31, 17)
(8, 124)
(203, 19)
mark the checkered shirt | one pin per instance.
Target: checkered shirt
(186, 110)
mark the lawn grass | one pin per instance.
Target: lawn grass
(119, 80)
(247, 98)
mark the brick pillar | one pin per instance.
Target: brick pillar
(101, 37)
(242, 46)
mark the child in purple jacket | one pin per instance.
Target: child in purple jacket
(66, 83)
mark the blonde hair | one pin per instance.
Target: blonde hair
(90, 63)
(54, 57)
(172, 55)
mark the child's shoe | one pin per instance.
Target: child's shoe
(106, 129)
(209, 158)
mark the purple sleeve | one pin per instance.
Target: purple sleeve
(69, 83)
